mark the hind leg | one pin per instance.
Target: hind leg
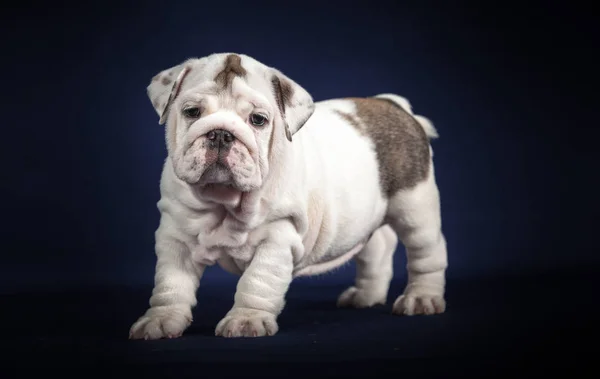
(373, 271)
(415, 216)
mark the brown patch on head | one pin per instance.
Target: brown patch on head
(166, 81)
(401, 144)
(233, 67)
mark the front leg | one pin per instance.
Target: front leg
(260, 293)
(174, 295)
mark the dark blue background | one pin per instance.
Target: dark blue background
(510, 90)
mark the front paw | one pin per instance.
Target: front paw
(245, 322)
(415, 303)
(355, 297)
(162, 322)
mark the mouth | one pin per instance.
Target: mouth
(223, 188)
(220, 193)
(217, 173)
(217, 184)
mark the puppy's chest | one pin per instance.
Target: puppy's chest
(224, 238)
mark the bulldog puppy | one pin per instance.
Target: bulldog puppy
(271, 186)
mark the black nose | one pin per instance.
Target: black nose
(220, 138)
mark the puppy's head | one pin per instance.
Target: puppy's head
(227, 117)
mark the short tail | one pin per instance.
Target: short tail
(403, 103)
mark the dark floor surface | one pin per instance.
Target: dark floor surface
(496, 327)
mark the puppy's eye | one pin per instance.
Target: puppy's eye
(257, 119)
(191, 112)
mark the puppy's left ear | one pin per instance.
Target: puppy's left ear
(294, 102)
(164, 88)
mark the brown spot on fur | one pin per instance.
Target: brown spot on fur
(283, 92)
(401, 144)
(174, 92)
(166, 81)
(233, 67)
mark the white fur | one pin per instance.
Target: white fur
(318, 202)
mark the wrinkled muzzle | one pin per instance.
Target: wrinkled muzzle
(219, 149)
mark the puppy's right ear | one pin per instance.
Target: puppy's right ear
(164, 88)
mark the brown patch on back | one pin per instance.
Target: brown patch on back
(233, 67)
(401, 144)
(166, 81)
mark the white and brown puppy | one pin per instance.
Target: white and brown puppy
(272, 186)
